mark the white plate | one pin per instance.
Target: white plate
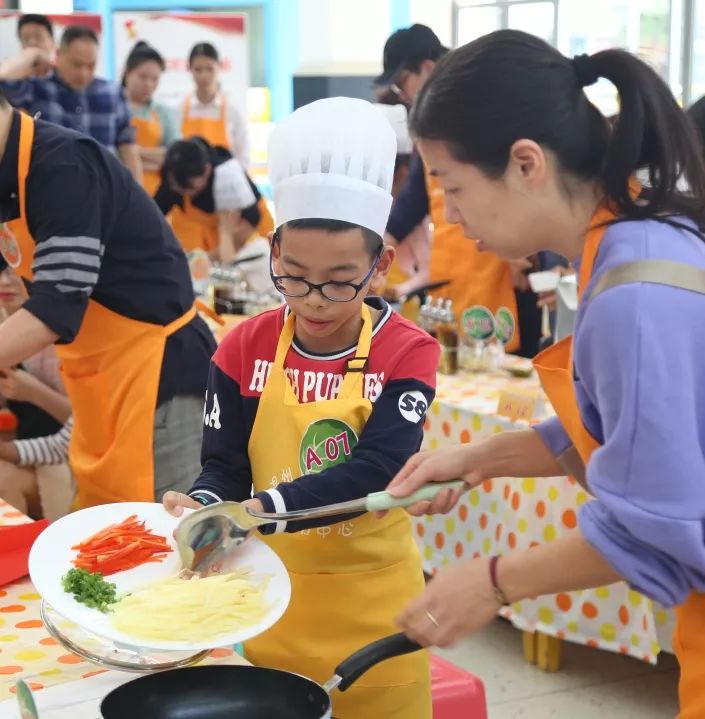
(544, 281)
(51, 557)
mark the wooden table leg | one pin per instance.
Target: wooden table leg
(542, 650)
(548, 652)
(529, 642)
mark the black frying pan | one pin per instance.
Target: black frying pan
(242, 692)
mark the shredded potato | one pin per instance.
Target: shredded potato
(195, 609)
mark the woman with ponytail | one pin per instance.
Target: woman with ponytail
(527, 164)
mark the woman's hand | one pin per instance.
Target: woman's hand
(457, 602)
(443, 465)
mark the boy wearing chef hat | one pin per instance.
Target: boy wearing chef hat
(322, 401)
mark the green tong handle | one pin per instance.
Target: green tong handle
(381, 501)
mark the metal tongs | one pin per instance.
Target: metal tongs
(207, 536)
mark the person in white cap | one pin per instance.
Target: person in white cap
(209, 188)
(321, 402)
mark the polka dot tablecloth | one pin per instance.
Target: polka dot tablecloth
(26, 650)
(506, 514)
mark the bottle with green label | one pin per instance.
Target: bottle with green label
(478, 328)
(448, 339)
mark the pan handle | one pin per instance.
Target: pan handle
(350, 670)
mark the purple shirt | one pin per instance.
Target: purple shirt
(640, 368)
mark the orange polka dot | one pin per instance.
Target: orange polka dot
(48, 642)
(463, 512)
(645, 624)
(13, 608)
(446, 429)
(440, 540)
(427, 425)
(498, 532)
(507, 491)
(3, 593)
(483, 521)
(30, 624)
(624, 615)
(69, 659)
(459, 549)
(34, 686)
(223, 652)
(590, 610)
(476, 555)
(511, 540)
(560, 634)
(571, 481)
(534, 544)
(420, 530)
(646, 658)
(564, 602)
(540, 509)
(569, 519)
(13, 515)
(592, 643)
(10, 669)
(487, 485)
(465, 437)
(516, 499)
(624, 650)
(95, 673)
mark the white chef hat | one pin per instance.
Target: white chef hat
(398, 117)
(334, 159)
(231, 188)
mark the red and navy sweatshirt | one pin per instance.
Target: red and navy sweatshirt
(400, 381)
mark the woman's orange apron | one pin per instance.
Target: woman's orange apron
(111, 372)
(476, 278)
(555, 369)
(149, 133)
(195, 229)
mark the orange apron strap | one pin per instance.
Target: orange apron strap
(25, 153)
(180, 322)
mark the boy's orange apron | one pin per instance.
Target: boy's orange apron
(349, 580)
(194, 228)
(149, 133)
(111, 372)
(476, 278)
(555, 369)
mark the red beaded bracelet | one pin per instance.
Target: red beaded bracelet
(499, 594)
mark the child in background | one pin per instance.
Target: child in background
(322, 401)
(33, 478)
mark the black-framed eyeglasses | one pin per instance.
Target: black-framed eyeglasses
(333, 291)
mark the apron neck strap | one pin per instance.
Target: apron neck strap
(24, 158)
(355, 369)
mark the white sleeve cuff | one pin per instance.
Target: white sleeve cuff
(205, 493)
(279, 506)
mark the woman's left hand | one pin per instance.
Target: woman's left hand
(457, 602)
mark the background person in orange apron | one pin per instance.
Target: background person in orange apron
(629, 389)
(476, 277)
(324, 401)
(111, 286)
(154, 123)
(207, 111)
(210, 188)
